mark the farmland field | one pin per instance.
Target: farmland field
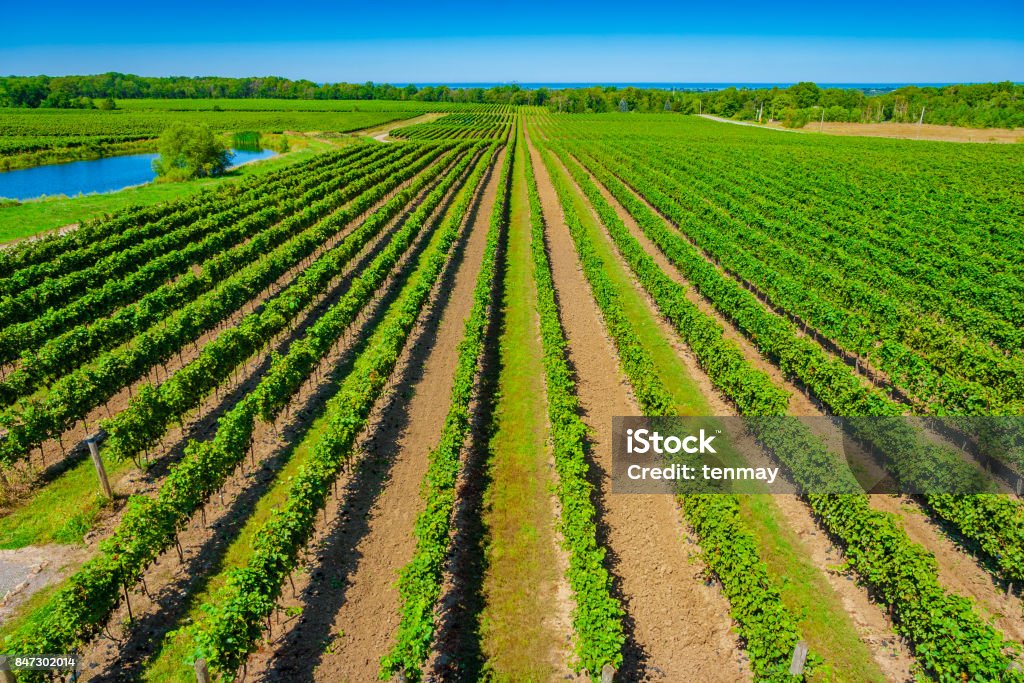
(356, 409)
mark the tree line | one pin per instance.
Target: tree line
(982, 105)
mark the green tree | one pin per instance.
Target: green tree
(190, 151)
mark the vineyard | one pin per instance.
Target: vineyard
(351, 419)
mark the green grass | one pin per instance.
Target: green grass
(63, 510)
(829, 631)
(33, 217)
(807, 594)
(518, 513)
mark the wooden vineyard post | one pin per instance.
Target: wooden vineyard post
(202, 672)
(6, 675)
(607, 673)
(97, 462)
(796, 667)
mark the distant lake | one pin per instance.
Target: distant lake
(95, 175)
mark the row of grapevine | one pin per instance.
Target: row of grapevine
(149, 526)
(820, 284)
(236, 614)
(129, 227)
(947, 373)
(143, 424)
(144, 219)
(419, 585)
(71, 398)
(476, 126)
(96, 256)
(65, 352)
(730, 550)
(598, 616)
(995, 524)
(955, 256)
(752, 390)
(899, 572)
(284, 375)
(884, 271)
(150, 265)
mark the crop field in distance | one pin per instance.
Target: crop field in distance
(354, 407)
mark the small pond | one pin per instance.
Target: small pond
(96, 175)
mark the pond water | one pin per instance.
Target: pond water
(95, 175)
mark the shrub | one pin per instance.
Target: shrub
(190, 151)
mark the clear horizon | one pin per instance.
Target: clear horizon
(454, 41)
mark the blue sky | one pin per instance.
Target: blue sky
(527, 40)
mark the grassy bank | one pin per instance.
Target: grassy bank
(29, 218)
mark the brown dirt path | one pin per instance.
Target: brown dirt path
(889, 129)
(870, 621)
(959, 571)
(911, 131)
(383, 133)
(369, 616)
(678, 629)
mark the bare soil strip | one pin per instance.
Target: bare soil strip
(912, 131)
(409, 429)
(677, 628)
(382, 133)
(164, 597)
(871, 624)
(889, 129)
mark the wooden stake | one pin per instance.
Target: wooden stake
(6, 675)
(202, 671)
(796, 667)
(127, 602)
(101, 471)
